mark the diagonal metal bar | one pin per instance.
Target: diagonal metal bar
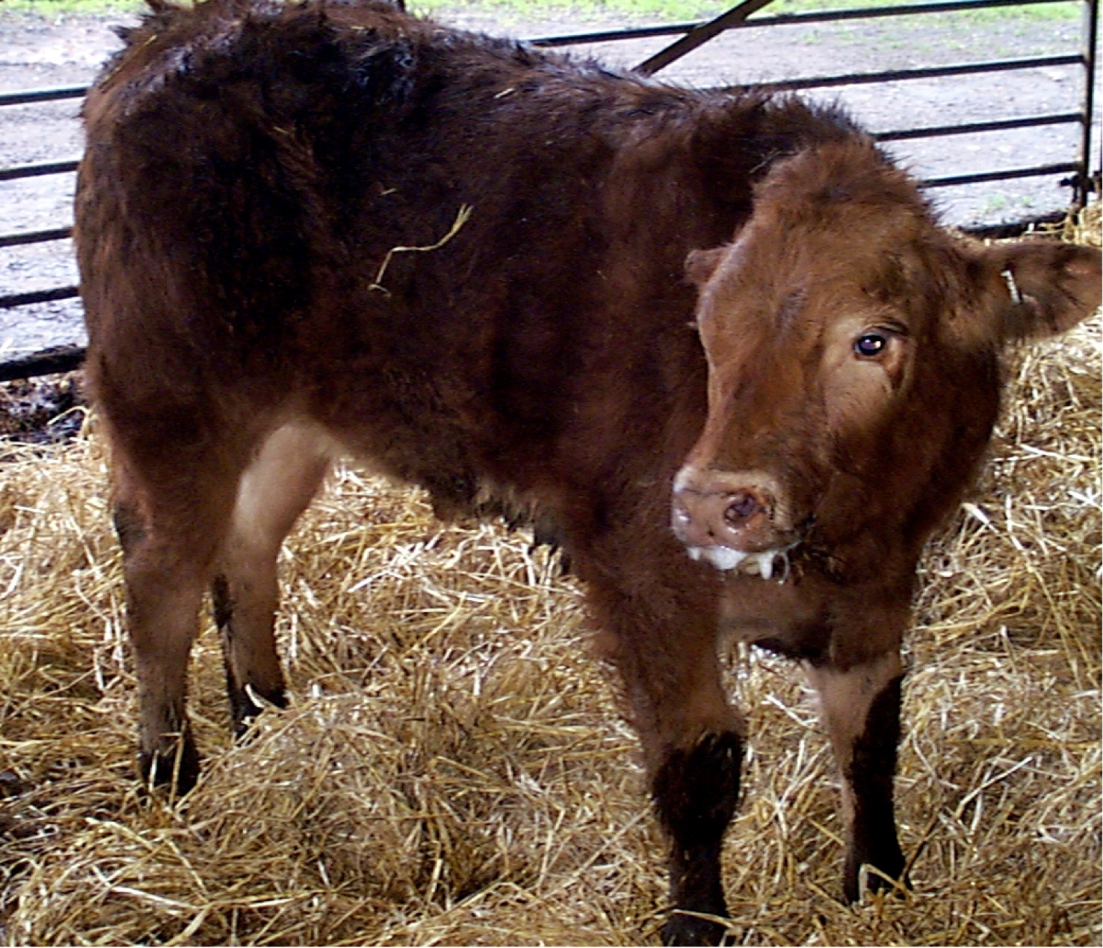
(700, 35)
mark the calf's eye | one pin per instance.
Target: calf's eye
(870, 344)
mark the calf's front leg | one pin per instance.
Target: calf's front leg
(692, 743)
(695, 791)
(861, 710)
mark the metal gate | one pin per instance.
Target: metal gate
(1074, 170)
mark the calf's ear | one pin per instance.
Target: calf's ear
(1038, 289)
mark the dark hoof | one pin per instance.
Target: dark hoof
(881, 870)
(244, 710)
(884, 880)
(685, 929)
(178, 770)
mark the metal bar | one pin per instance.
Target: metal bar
(1090, 40)
(609, 36)
(931, 72)
(39, 296)
(46, 362)
(35, 237)
(698, 36)
(42, 95)
(33, 171)
(1013, 228)
(1008, 175)
(872, 13)
(786, 19)
(935, 131)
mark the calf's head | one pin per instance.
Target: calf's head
(853, 354)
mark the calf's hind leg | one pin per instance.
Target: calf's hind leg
(170, 521)
(276, 487)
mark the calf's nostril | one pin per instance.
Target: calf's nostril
(742, 505)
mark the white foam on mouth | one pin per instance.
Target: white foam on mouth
(762, 563)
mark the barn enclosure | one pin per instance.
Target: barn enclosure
(454, 767)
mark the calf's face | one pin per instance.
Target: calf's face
(853, 350)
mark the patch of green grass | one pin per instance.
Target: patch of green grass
(56, 8)
(1008, 207)
(689, 10)
(652, 10)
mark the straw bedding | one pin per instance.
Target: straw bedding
(454, 769)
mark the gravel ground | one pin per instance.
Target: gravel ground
(37, 52)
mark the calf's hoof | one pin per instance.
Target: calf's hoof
(176, 768)
(244, 711)
(891, 868)
(685, 929)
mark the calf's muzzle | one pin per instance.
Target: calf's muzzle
(732, 519)
(721, 517)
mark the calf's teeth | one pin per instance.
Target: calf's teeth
(763, 563)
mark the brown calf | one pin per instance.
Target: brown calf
(330, 228)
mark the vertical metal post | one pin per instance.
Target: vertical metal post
(1084, 184)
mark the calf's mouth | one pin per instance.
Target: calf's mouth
(763, 563)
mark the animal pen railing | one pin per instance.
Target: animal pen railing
(1073, 170)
